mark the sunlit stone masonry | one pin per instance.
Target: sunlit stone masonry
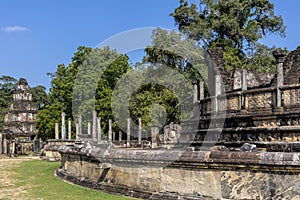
(242, 143)
(19, 123)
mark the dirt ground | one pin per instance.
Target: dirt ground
(9, 188)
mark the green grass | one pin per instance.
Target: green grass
(38, 177)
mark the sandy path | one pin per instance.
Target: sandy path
(8, 185)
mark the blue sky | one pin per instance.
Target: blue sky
(36, 36)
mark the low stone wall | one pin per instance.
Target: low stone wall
(152, 174)
(50, 151)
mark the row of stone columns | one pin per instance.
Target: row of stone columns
(279, 56)
(63, 128)
(96, 132)
(94, 129)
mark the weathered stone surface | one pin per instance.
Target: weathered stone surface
(195, 175)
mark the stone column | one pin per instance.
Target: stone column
(196, 108)
(244, 88)
(94, 132)
(1, 147)
(13, 148)
(195, 94)
(140, 131)
(4, 145)
(56, 131)
(201, 90)
(154, 136)
(244, 80)
(99, 131)
(69, 130)
(110, 130)
(79, 125)
(128, 133)
(63, 126)
(120, 136)
(113, 136)
(89, 128)
(279, 56)
(77, 131)
(217, 92)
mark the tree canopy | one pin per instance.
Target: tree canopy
(235, 25)
(78, 86)
(7, 85)
(60, 94)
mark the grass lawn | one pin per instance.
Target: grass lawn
(38, 177)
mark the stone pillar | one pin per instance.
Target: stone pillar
(140, 131)
(195, 94)
(196, 107)
(77, 131)
(4, 145)
(1, 147)
(94, 132)
(201, 90)
(113, 136)
(217, 92)
(128, 133)
(63, 126)
(110, 130)
(154, 136)
(244, 80)
(89, 128)
(242, 99)
(69, 130)
(79, 125)
(120, 136)
(13, 148)
(56, 131)
(99, 131)
(279, 56)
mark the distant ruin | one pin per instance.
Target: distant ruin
(19, 122)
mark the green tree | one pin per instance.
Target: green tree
(173, 50)
(39, 96)
(60, 95)
(235, 25)
(81, 87)
(96, 82)
(7, 85)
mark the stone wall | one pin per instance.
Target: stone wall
(195, 175)
(50, 151)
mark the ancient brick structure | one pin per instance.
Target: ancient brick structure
(20, 119)
(256, 107)
(252, 122)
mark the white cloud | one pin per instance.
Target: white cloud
(14, 28)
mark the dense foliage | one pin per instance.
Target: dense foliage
(7, 85)
(60, 95)
(82, 87)
(235, 25)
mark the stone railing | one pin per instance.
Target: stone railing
(291, 95)
(253, 100)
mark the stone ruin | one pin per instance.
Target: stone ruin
(19, 123)
(255, 107)
(251, 126)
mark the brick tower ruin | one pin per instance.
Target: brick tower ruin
(20, 120)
